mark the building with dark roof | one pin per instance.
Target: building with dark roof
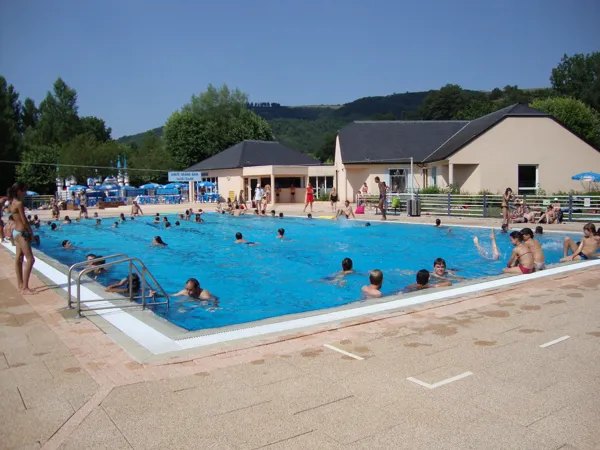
(516, 146)
(248, 164)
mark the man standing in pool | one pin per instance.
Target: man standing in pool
(382, 192)
(192, 289)
(374, 288)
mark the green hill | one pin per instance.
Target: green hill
(304, 127)
(307, 128)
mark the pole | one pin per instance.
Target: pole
(412, 179)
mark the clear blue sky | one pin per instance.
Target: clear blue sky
(133, 62)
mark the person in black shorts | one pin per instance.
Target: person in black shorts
(333, 198)
(83, 201)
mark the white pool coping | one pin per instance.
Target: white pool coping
(157, 343)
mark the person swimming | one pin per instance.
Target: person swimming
(440, 272)
(438, 223)
(158, 242)
(66, 244)
(116, 225)
(280, 233)
(423, 282)
(192, 289)
(98, 222)
(122, 218)
(239, 239)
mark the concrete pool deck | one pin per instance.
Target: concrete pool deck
(512, 368)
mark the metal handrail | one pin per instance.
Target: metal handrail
(142, 274)
(85, 263)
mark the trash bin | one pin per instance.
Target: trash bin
(414, 208)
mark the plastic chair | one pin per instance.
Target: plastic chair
(396, 205)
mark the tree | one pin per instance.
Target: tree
(213, 121)
(151, 155)
(445, 103)
(575, 115)
(96, 127)
(10, 138)
(38, 167)
(476, 108)
(59, 122)
(326, 153)
(386, 116)
(578, 76)
(30, 114)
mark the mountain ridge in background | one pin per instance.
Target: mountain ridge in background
(304, 128)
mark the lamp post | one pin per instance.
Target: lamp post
(59, 184)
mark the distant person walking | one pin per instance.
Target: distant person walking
(310, 197)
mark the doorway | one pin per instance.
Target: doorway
(528, 179)
(252, 186)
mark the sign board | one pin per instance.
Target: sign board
(184, 177)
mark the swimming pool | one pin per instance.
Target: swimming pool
(277, 277)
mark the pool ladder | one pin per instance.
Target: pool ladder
(135, 266)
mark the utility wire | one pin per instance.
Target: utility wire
(84, 167)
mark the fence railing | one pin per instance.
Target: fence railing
(575, 208)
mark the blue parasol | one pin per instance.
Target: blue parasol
(108, 187)
(174, 186)
(206, 184)
(150, 186)
(77, 188)
(587, 176)
(31, 194)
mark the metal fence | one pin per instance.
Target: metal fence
(576, 208)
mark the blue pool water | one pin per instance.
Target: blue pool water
(277, 277)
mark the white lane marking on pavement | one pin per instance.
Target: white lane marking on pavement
(343, 352)
(440, 383)
(555, 341)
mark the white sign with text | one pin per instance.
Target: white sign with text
(185, 176)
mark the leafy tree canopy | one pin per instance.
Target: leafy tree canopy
(575, 115)
(213, 121)
(10, 126)
(578, 76)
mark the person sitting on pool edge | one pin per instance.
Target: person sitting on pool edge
(423, 282)
(346, 211)
(536, 248)
(373, 290)
(440, 272)
(158, 242)
(239, 239)
(583, 249)
(122, 287)
(521, 255)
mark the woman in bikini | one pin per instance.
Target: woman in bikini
(242, 200)
(22, 236)
(333, 198)
(310, 197)
(521, 255)
(505, 202)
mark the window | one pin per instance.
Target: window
(398, 180)
(434, 176)
(528, 179)
(285, 183)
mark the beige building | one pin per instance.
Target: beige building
(516, 147)
(250, 163)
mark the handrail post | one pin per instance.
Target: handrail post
(449, 204)
(130, 281)
(570, 208)
(485, 205)
(143, 286)
(79, 296)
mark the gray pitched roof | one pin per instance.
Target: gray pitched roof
(255, 153)
(365, 142)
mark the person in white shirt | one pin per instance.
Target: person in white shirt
(258, 195)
